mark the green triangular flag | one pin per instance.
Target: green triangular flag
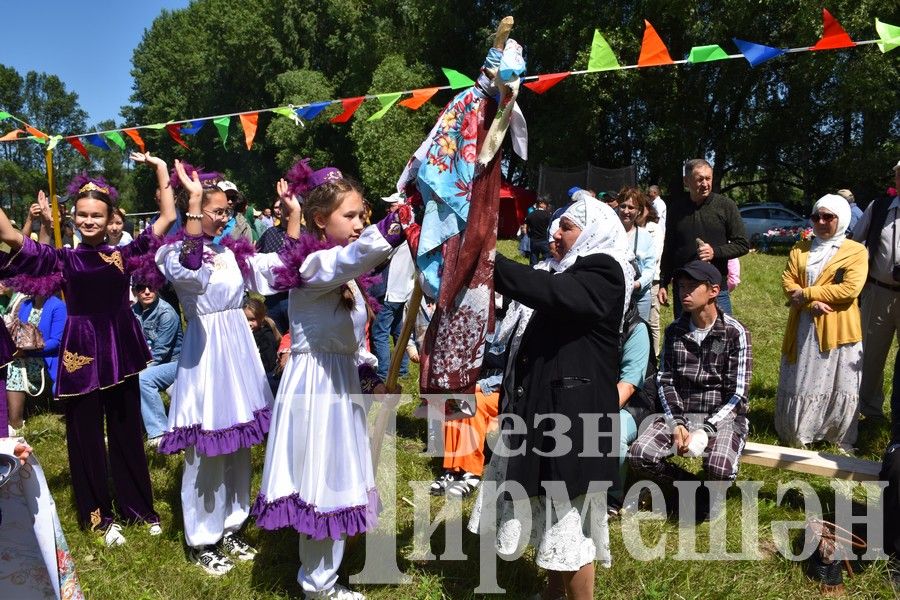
(889, 34)
(4, 115)
(284, 111)
(54, 140)
(701, 54)
(456, 79)
(156, 126)
(387, 101)
(602, 57)
(222, 124)
(39, 140)
(116, 138)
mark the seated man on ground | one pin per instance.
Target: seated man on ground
(162, 330)
(704, 380)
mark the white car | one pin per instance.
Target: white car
(760, 218)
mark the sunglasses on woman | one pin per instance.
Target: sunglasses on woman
(822, 217)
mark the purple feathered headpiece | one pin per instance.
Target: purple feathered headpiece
(207, 178)
(302, 179)
(82, 182)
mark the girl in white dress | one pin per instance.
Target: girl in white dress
(221, 403)
(318, 476)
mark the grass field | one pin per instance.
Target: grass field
(157, 568)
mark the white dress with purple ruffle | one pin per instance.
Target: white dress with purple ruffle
(222, 400)
(318, 476)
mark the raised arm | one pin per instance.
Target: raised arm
(290, 208)
(166, 195)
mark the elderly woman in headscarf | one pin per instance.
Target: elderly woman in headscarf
(822, 349)
(556, 444)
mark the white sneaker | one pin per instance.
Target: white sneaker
(154, 529)
(464, 485)
(235, 546)
(338, 592)
(210, 560)
(113, 536)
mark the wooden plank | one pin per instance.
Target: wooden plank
(808, 461)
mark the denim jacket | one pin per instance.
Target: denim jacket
(162, 330)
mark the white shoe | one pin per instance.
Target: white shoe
(338, 592)
(113, 536)
(154, 529)
(236, 547)
(154, 441)
(210, 560)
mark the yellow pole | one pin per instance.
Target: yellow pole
(54, 203)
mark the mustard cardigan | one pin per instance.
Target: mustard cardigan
(843, 326)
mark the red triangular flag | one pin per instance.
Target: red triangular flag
(175, 133)
(350, 105)
(834, 36)
(36, 132)
(12, 135)
(653, 51)
(249, 122)
(76, 143)
(419, 97)
(545, 82)
(136, 138)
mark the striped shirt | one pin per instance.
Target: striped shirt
(711, 378)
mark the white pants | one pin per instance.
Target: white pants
(319, 563)
(215, 495)
(880, 324)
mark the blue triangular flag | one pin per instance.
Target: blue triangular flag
(98, 141)
(312, 111)
(192, 127)
(756, 53)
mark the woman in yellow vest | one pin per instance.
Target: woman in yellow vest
(821, 356)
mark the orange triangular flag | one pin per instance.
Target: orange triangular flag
(545, 82)
(653, 51)
(419, 97)
(36, 132)
(249, 122)
(12, 135)
(136, 138)
(834, 36)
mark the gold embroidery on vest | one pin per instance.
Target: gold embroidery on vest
(113, 259)
(73, 361)
(95, 519)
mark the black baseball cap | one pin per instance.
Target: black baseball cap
(700, 270)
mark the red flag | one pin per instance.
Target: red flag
(76, 143)
(136, 138)
(834, 36)
(175, 133)
(545, 82)
(249, 122)
(419, 97)
(12, 135)
(653, 50)
(36, 132)
(350, 105)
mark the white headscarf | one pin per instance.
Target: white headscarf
(822, 250)
(601, 233)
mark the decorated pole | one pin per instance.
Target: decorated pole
(54, 202)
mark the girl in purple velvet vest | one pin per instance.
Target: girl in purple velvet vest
(102, 350)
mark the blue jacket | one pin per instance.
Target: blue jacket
(162, 330)
(51, 325)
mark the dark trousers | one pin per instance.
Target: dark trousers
(4, 407)
(120, 405)
(539, 251)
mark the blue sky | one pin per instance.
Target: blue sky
(87, 43)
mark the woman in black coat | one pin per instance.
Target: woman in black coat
(554, 442)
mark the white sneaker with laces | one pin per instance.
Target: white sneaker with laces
(154, 529)
(338, 592)
(113, 536)
(464, 485)
(235, 546)
(441, 483)
(210, 560)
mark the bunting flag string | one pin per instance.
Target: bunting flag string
(653, 52)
